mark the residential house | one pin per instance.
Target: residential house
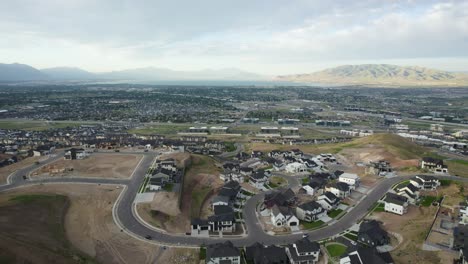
(307, 189)
(366, 256)
(310, 211)
(158, 181)
(435, 165)
(75, 154)
(259, 179)
(261, 254)
(371, 234)
(283, 216)
(223, 253)
(223, 219)
(396, 204)
(280, 197)
(339, 189)
(379, 168)
(303, 251)
(296, 167)
(425, 182)
(351, 179)
(230, 190)
(409, 191)
(219, 200)
(328, 201)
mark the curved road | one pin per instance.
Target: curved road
(125, 217)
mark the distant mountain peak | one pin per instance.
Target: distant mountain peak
(381, 74)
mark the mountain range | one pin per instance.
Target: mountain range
(381, 75)
(364, 74)
(21, 72)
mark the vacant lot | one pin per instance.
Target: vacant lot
(7, 170)
(413, 226)
(201, 179)
(90, 227)
(458, 167)
(163, 212)
(95, 166)
(400, 152)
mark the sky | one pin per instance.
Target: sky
(264, 36)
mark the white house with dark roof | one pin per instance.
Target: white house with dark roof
(283, 216)
(223, 253)
(425, 182)
(303, 251)
(259, 178)
(310, 211)
(409, 191)
(339, 189)
(328, 200)
(435, 165)
(396, 204)
(351, 179)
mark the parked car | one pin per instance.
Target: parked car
(148, 237)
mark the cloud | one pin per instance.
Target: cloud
(266, 36)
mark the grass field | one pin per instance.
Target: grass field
(36, 125)
(336, 250)
(428, 200)
(458, 167)
(334, 213)
(160, 129)
(312, 225)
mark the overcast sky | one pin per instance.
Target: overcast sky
(268, 37)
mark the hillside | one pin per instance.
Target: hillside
(381, 74)
(20, 72)
(68, 73)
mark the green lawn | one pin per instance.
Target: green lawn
(336, 250)
(379, 207)
(168, 187)
(160, 129)
(312, 225)
(36, 125)
(305, 181)
(351, 236)
(428, 200)
(334, 213)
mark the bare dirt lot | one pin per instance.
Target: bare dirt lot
(7, 170)
(95, 166)
(90, 228)
(163, 212)
(413, 226)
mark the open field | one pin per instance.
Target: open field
(413, 227)
(160, 129)
(90, 228)
(37, 125)
(7, 170)
(401, 153)
(95, 166)
(458, 167)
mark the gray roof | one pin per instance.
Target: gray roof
(395, 199)
(220, 250)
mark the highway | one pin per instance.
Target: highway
(125, 218)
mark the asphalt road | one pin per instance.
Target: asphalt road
(127, 220)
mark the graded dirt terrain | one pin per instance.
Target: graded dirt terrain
(90, 228)
(413, 226)
(95, 166)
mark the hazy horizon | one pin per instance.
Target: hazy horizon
(264, 37)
